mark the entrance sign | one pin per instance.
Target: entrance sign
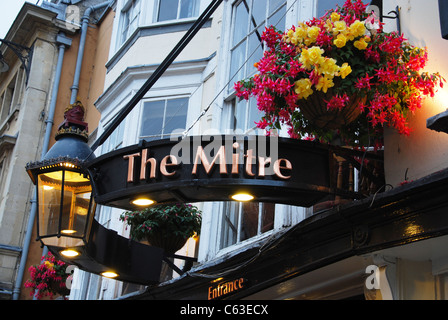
(225, 288)
(213, 168)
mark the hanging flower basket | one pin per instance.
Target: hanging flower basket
(339, 75)
(164, 226)
(315, 109)
(48, 278)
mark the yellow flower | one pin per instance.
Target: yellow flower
(360, 44)
(303, 88)
(300, 33)
(328, 25)
(49, 265)
(358, 28)
(324, 84)
(329, 67)
(289, 37)
(339, 26)
(340, 41)
(313, 32)
(335, 16)
(345, 70)
(315, 54)
(311, 56)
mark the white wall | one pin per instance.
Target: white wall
(424, 151)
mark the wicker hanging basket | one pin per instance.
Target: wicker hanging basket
(315, 110)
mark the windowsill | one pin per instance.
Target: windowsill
(171, 22)
(157, 28)
(4, 125)
(243, 244)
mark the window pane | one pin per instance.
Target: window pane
(229, 224)
(254, 114)
(240, 115)
(237, 60)
(188, 8)
(258, 12)
(176, 115)
(274, 4)
(268, 217)
(241, 21)
(153, 116)
(278, 19)
(255, 51)
(124, 33)
(249, 226)
(324, 5)
(167, 10)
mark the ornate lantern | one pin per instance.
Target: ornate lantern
(64, 190)
(66, 209)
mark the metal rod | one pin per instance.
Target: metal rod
(157, 73)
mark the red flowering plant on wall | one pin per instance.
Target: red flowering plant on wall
(342, 60)
(48, 278)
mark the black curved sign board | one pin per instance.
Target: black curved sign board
(212, 168)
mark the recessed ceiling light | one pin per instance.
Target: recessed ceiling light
(143, 202)
(109, 274)
(69, 253)
(242, 197)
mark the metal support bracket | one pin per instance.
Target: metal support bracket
(395, 15)
(188, 262)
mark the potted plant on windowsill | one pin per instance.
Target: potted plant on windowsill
(164, 226)
(339, 76)
(48, 278)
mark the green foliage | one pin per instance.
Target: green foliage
(179, 219)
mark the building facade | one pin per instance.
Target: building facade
(308, 258)
(270, 250)
(35, 91)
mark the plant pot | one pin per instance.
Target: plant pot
(315, 110)
(170, 243)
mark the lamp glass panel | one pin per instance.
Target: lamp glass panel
(73, 212)
(49, 192)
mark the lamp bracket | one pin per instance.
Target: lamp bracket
(395, 15)
(18, 49)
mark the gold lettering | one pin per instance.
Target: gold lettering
(131, 165)
(278, 166)
(200, 155)
(250, 157)
(235, 158)
(262, 165)
(210, 293)
(225, 288)
(240, 283)
(145, 161)
(164, 164)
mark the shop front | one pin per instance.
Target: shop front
(359, 250)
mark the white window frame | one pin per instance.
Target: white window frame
(194, 15)
(133, 8)
(163, 134)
